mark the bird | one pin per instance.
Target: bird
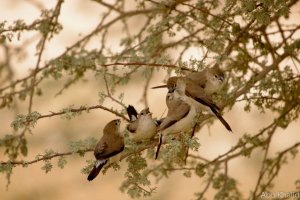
(181, 113)
(141, 126)
(204, 102)
(200, 86)
(111, 144)
(210, 80)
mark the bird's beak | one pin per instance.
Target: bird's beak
(221, 78)
(171, 89)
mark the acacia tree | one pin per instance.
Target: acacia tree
(238, 35)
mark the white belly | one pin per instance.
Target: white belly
(182, 125)
(146, 130)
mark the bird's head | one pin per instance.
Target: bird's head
(180, 85)
(113, 126)
(145, 112)
(216, 74)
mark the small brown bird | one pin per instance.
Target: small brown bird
(111, 144)
(142, 126)
(210, 80)
(181, 113)
(202, 101)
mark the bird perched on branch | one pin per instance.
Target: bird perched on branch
(181, 113)
(210, 80)
(141, 126)
(200, 86)
(111, 144)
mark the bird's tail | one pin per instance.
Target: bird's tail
(97, 168)
(222, 120)
(160, 86)
(158, 146)
(215, 109)
(211, 105)
(132, 114)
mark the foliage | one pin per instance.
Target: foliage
(236, 34)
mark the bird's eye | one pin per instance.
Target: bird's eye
(216, 76)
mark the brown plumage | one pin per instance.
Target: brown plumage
(142, 126)
(200, 86)
(210, 80)
(177, 109)
(109, 145)
(181, 113)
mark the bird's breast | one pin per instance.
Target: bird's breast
(212, 86)
(183, 124)
(146, 130)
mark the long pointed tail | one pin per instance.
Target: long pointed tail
(160, 86)
(215, 109)
(222, 120)
(208, 104)
(97, 168)
(158, 146)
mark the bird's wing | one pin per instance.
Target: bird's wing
(177, 109)
(196, 92)
(104, 151)
(198, 77)
(100, 148)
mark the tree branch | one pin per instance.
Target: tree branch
(84, 108)
(45, 157)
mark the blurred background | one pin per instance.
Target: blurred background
(78, 18)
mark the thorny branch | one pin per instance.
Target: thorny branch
(43, 158)
(84, 108)
(146, 47)
(53, 20)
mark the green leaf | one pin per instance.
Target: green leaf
(88, 168)
(82, 146)
(23, 146)
(25, 120)
(62, 161)
(47, 166)
(200, 170)
(187, 173)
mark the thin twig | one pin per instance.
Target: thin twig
(262, 170)
(146, 64)
(109, 94)
(98, 29)
(43, 158)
